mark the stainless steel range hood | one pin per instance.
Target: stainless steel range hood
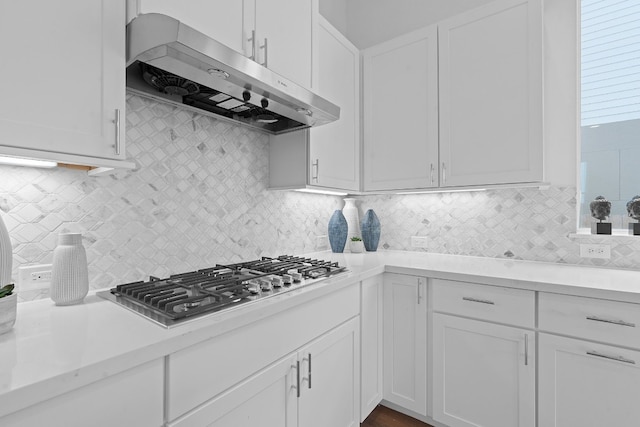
(171, 62)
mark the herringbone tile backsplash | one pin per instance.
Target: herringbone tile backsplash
(198, 197)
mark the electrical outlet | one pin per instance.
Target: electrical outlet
(34, 277)
(419, 241)
(595, 251)
(322, 242)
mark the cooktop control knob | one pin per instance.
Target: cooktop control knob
(277, 282)
(265, 285)
(253, 287)
(287, 279)
(297, 277)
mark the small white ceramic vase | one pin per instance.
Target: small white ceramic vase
(356, 247)
(69, 272)
(8, 308)
(350, 212)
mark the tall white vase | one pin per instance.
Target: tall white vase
(69, 272)
(6, 255)
(350, 212)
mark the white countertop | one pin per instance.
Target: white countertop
(54, 349)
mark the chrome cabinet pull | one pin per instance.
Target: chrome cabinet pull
(117, 123)
(526, 349)
(298, 378)
(315, 165)
(481, 301)
(309, 370)
(613, 322)
(252, 39)
(264, 46)
(444, 174)
(606, 356)
(419, 288)
(431, 173)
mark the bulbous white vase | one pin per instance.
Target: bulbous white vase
(69, 272)
(350, 212)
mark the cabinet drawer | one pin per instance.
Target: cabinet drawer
(590, 318)
(496, 304)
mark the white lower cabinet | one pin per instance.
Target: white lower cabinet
(266, 399)
(483, 374)
(583, 384)
(315, 386)
(405, 342)
(370, 344)
(330, 379)
(130, 398)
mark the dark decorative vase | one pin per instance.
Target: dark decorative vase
(337, 231)
(370, 227)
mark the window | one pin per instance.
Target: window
(610, 112)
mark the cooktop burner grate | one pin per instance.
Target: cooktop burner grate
(181, 297)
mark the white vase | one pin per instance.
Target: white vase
(69, 272)
(6, 255)
(356, 247)
(350, 212)
(8, 309)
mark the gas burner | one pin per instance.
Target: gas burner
(182, 297)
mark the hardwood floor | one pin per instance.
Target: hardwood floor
(385, 417)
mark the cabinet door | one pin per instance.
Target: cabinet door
(483, 374)
(586, 384)
(221, 20)
(267, 399)
(370, 345)
(283, 37)
(335, 147)
(405, 342)
(65, 76)
(401, 113)
(330, 379)
(131, 398)
(491, 94)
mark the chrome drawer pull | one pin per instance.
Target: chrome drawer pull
(614, 322)
(526, 349)
(481, 301)
(616, 358)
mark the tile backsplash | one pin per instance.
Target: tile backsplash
(522, 223)
(198, 196)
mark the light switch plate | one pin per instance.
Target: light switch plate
(322, 242)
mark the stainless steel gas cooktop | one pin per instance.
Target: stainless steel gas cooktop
(183, 297)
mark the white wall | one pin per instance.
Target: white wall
(373, 21)
(335, 11)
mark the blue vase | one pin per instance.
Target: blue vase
(370, 227)
(337, 231)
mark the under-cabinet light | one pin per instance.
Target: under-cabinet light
(456, 190)
(20, 161)
(315, 191)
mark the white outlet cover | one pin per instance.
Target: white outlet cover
(419, 241)
(595, 251)
(32, 277)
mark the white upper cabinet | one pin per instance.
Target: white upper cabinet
(274, 33)
(401, 112)
(335, 147)
(491, 94)
(282, 36)
(65, 91)
(221, 20)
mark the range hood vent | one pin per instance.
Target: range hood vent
(171, 62)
